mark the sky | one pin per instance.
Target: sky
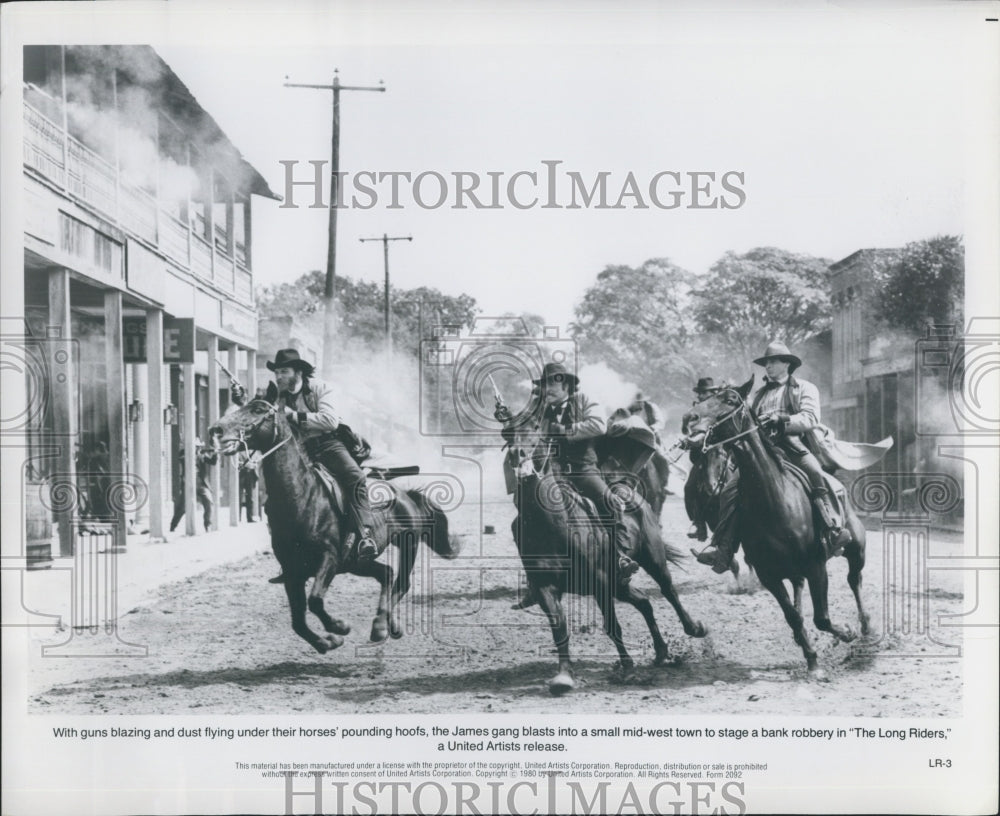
(848, 128)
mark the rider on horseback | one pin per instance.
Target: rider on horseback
(791, 408)
(570, 423)
(308, 403)
(693, 442)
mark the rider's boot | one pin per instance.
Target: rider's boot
(277, 579)
(698, 531)
(625, 546)
(367, 548)
(718, 555)
(836, 537)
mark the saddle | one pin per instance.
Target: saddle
(379, 498)
(838, 493)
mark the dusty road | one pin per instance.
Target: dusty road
(221, 643)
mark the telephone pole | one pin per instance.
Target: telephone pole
(329, 292)
(385, 239)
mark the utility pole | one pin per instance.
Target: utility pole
(329, 292)
(385, 239)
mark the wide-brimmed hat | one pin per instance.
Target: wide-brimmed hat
(779, 351)
(704, 384)
(289, 358)
(558, 370)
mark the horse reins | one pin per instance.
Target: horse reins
(705, 448)
(271, 411)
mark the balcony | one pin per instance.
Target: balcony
(85, 175)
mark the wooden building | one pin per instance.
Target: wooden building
(137, 277)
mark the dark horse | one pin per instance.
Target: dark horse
(563, 548)
(703, 490)
(631, 441)
(309, 534)
(780, 534)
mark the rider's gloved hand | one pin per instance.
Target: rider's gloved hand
(237, 394)
(777, 421)
(502, 413)
(555, 429)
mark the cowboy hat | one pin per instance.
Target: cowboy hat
(289, 358)
(779, 351)
(705, 384)
(557, 370)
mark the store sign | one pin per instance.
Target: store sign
(178, 339)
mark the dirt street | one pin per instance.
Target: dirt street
(221, 643)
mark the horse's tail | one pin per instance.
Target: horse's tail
(439, 539)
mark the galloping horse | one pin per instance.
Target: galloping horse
(781, 537)
(704, 485)
(564, 548)
(309, 534)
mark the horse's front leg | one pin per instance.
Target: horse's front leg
(818, 589)
(549, 599)
(638, 599)
(385, 618)
(776, 586)
(295, 589)
(321, 583)
(654, 562)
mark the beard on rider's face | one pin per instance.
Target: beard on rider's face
(555, 391)
(287, 379)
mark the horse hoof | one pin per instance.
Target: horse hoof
(328, 643)
(395, 630)
(662, 658)
(379, 632)
(560, 684)
(819, 675)
(339, 627)
(698, 630)
(848, 635)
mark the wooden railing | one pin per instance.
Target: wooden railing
(201, 258)
(174, 238)
(43, 146)
(74, 167)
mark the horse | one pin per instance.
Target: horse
(311, 537)
(630, 439)
(564, 548)
(782, 539)
(703, 491)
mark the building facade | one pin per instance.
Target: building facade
(875, 388)
(137, 280)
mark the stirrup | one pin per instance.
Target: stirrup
(713, 559)
(367, 548)
(627, 567)
(837, 538)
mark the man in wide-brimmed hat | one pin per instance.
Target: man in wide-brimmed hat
(790, 407)
(309, 403)
(570, 422)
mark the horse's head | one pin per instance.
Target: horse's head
(252, 427)
(721, 415)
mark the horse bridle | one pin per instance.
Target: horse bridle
(272, 411)
(741, 408)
